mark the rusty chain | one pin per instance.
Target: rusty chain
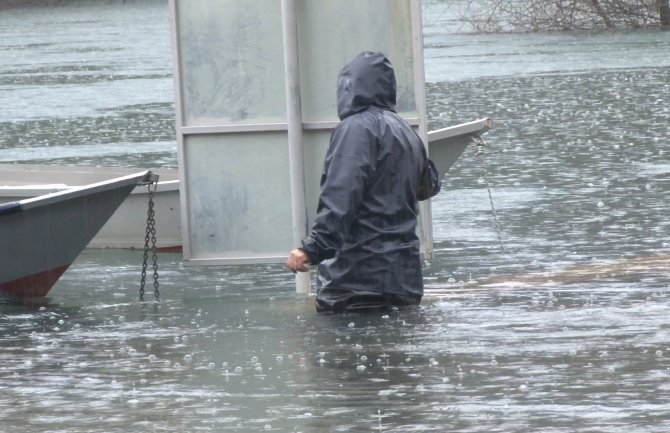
(481, 147)
(150, 244)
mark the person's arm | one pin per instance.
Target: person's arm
(350, 159)
(298, 260)
(429, 185)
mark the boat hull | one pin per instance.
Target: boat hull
(40, 237)
(127, 226)
(446, 145)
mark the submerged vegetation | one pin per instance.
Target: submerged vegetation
(543, 15)
(494, 16)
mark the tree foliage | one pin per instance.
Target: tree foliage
(551, 15)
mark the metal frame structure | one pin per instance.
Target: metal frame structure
(295, 127)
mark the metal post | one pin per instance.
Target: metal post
(294, 120)
(425, 210)
(178, 74)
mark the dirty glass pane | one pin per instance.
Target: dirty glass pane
(332, 32)
(316, 145)
(239, 195)
(232, 66)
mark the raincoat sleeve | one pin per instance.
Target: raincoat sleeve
(349, 161)
(429, 185)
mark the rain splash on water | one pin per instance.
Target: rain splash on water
(566, 330)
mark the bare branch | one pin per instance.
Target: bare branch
(550, 15)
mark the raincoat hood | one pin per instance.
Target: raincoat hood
(368, 80)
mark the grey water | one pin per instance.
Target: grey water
(565, 330)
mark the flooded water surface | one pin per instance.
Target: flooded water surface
(563, 328)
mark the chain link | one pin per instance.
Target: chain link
(481, 146)
(150, 244)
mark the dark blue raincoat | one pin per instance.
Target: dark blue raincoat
(375, 172)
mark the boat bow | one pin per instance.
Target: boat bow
(41, 236)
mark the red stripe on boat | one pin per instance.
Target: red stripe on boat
(170, 249)
(35, 285)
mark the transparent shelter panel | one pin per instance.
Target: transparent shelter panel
(332, 32)
(239, 200)
(231, 58)
(232, 119)
(315, 147)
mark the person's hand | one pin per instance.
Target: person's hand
(298, 261)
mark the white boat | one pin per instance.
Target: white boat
(447, 144)
(40, 237)
(127, 227)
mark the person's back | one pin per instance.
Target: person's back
(376, 169)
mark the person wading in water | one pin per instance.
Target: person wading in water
(376, 170)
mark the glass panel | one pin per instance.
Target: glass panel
(239, 195)
(315, 147)
(232, 66)
(332, 32)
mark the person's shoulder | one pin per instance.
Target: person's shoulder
(356, 120)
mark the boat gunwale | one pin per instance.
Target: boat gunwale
(80, 191)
